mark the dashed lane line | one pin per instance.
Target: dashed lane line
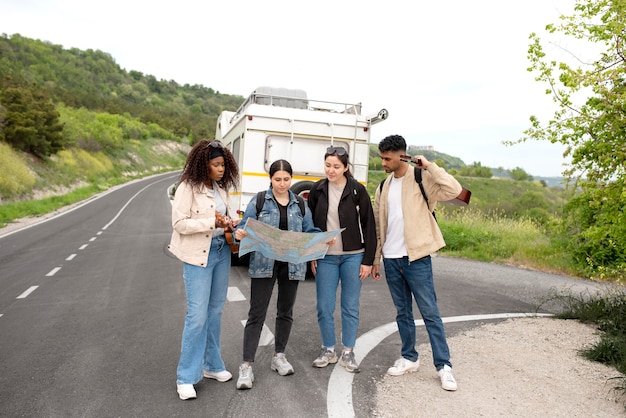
(53, 272)
(27, 292)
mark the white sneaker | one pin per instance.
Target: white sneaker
(223, 376)
(349, 362)
(402, 366)
(246, 377)
(325, 358)
(281, 365)
(447, 378)
(186, 391)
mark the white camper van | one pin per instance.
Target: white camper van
(277, 123)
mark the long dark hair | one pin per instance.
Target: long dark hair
(196, 170)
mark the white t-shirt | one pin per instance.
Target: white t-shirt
(220, 206)
(394, 243)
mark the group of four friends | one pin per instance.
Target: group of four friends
(399, 230)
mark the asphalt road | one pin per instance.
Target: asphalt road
(92, 306)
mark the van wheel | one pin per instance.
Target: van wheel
(302, 188)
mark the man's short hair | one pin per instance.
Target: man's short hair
(392, 143)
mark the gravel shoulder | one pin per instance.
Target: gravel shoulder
(517, 368)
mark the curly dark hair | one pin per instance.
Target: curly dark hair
(196, 170)
(392, 143)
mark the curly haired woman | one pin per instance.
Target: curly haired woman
(200, 212)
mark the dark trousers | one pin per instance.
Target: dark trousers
(260, 294)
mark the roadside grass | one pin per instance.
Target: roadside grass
(41, 186)
(29, 208)
(608, 312)
(494, 238)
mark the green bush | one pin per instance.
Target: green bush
(16, 178)
(80, 164)
(608, 312)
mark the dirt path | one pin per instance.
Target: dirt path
(525, 367)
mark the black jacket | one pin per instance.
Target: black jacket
(360, 229)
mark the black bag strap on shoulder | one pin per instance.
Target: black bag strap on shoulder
(418, 180)
(260, 200)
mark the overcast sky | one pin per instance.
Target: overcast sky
(452, 74)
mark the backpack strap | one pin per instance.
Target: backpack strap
(260, 200)
(418, 179)
(381, 185)
(301, 204)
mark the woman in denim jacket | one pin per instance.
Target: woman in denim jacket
(280, 210)
(199, 215)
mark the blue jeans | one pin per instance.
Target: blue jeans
(405, 279)
(206, 290)
(331, 270)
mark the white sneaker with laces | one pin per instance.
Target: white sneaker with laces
(325, 358)
(349, 362)
(246, 377)
(223, 376)
(281, 365)
(447, 378)
(186, 391)
(402, 366)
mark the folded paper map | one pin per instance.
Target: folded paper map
(293, 247)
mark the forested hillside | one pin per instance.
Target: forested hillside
(94, 81)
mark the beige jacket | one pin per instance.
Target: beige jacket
(422, 235)
(193, 220)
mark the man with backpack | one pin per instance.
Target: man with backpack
(407, 234)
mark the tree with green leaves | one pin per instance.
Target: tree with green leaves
(30, 121)
(520, 174)
(475, 170)
(590, 121)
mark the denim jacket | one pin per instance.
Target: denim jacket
(261, 266)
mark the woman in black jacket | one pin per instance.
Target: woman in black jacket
(339, 201)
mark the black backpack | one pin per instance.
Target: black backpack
(260, 200)
(418, 179)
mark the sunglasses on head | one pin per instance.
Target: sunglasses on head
(215, 144)
(336, 150)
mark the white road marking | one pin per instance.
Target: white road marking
(82, 247)
(126, 204)
(70, 258)
(53, 271)
(267, 337)
(92, 239)
(27, 292)
(339, 394)
(234, 294)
